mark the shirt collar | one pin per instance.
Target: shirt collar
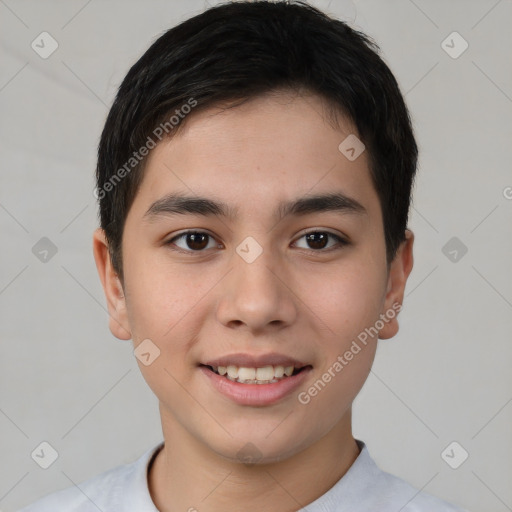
(351, 485)
(349, 489)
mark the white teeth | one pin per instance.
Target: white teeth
(232, 371)
(278, 371)
(264, 375)
(246, 373)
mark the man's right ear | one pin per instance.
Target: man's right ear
(116, 302)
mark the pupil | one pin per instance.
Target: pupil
(319, 240)
(194, 238)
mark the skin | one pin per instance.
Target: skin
(295, 299)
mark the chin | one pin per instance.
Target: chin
(258, 445)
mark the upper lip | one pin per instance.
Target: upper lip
(255, 361)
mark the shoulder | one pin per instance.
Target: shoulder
(82, 498)
(366, 488)
(405, 497)
(388, 492)
(108, 491)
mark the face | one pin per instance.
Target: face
(254, 282)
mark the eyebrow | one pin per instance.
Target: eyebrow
(180, 204)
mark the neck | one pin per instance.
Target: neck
(187, 475)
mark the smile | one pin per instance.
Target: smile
(255, 381)
(264, 375)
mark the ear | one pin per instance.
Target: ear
(116, 302)
(399, 271)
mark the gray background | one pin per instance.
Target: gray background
(66, 380)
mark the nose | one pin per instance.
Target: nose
(256, 296)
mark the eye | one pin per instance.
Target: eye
(198, 241)
(194, 241)
(318, 240)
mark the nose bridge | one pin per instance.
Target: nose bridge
(254, 294)
(253, 269)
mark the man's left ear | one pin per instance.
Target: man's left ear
(399, 271)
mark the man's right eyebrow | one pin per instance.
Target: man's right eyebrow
(179, 204)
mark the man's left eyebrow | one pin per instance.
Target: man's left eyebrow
(180, 204)
(335, 201)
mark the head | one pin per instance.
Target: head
(234, 125)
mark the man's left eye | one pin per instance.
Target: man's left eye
(319, 239)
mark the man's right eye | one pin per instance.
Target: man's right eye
(193, 241)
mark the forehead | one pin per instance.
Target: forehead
(268, 150)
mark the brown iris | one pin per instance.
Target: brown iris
(197, 241)
(317, 240)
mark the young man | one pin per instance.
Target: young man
(254, 179)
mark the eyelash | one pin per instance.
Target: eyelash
(341, 241)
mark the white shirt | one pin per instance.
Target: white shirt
(363, 488)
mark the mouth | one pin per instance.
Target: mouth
(269, 374)
(256, 380)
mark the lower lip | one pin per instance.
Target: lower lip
(255, 394)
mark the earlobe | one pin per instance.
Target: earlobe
(112, 286)
(399, 271)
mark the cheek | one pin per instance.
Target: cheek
(160, 307)
(349, 303)
(158, 295)
(347, 353)
(347, 299)
(164, 302)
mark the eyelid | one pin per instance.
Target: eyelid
(323, 230)
(341, 240)
(184, 233)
